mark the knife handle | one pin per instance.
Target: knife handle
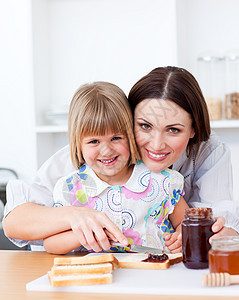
(127, 248)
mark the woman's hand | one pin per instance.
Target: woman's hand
(220, 230)
(173, 241)
(94, 229)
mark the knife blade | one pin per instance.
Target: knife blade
(137, 248)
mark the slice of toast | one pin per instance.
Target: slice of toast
(84, 260)
(85, 279)
(82, 269)
(135, 261)
(175, 258)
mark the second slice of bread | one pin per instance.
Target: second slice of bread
(135, 261)
(82, 269)
(84, 260)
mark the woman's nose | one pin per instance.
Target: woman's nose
(158, 141)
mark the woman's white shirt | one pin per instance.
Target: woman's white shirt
(207, 182)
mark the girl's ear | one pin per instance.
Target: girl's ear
(82, 157)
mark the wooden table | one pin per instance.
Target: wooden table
(21, 267)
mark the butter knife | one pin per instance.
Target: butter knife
(137, 248)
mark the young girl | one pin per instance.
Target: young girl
(111, 181)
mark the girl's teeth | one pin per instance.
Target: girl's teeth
(107, 161)
(157, 155)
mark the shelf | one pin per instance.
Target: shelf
(63, 128)
(225, 124)
(51, 129)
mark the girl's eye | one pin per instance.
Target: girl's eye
(94, 142)
(145, 126)
(116, 138)
(174, 130)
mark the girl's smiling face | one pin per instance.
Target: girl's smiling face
(162, 132)
(108, 155)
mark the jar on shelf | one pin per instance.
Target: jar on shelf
(196, 231)
(211, 80)
(232, 85)
(224, 255)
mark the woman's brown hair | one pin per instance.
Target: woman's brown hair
(179, 86)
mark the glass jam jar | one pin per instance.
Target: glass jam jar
(224, 255)
(211, 77)
(232, 85)
(196, 231)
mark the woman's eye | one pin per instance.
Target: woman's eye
(145, 126)
(174, 130)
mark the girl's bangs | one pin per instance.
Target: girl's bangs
(101, 124)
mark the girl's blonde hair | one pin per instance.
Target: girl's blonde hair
(96, 109)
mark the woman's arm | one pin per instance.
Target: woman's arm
(31, 221)
(29, 214)
(91, 228)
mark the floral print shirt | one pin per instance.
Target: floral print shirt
(140, 208)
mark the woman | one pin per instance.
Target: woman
(204, 162)
(201, 158)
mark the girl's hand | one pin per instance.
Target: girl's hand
(219, 229)
(94, 229)
(173, 241)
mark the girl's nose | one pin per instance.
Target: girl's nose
(106, 149)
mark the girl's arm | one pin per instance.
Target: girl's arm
(177, 215)
(174, 241)
(61, 243)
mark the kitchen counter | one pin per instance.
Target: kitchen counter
(21, 267)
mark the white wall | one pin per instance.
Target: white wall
(231, 138)
(83, 41)
(50, 47)
(210, 27)
(17, 138)
(206, 25)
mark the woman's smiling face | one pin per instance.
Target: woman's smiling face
(162, 132)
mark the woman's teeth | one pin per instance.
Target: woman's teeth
(157, 155)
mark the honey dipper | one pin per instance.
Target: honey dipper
(219, 279)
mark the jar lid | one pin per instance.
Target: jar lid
(232, 55)
(226, 243)
(208, 58)
(232, 58)
(198, 213)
